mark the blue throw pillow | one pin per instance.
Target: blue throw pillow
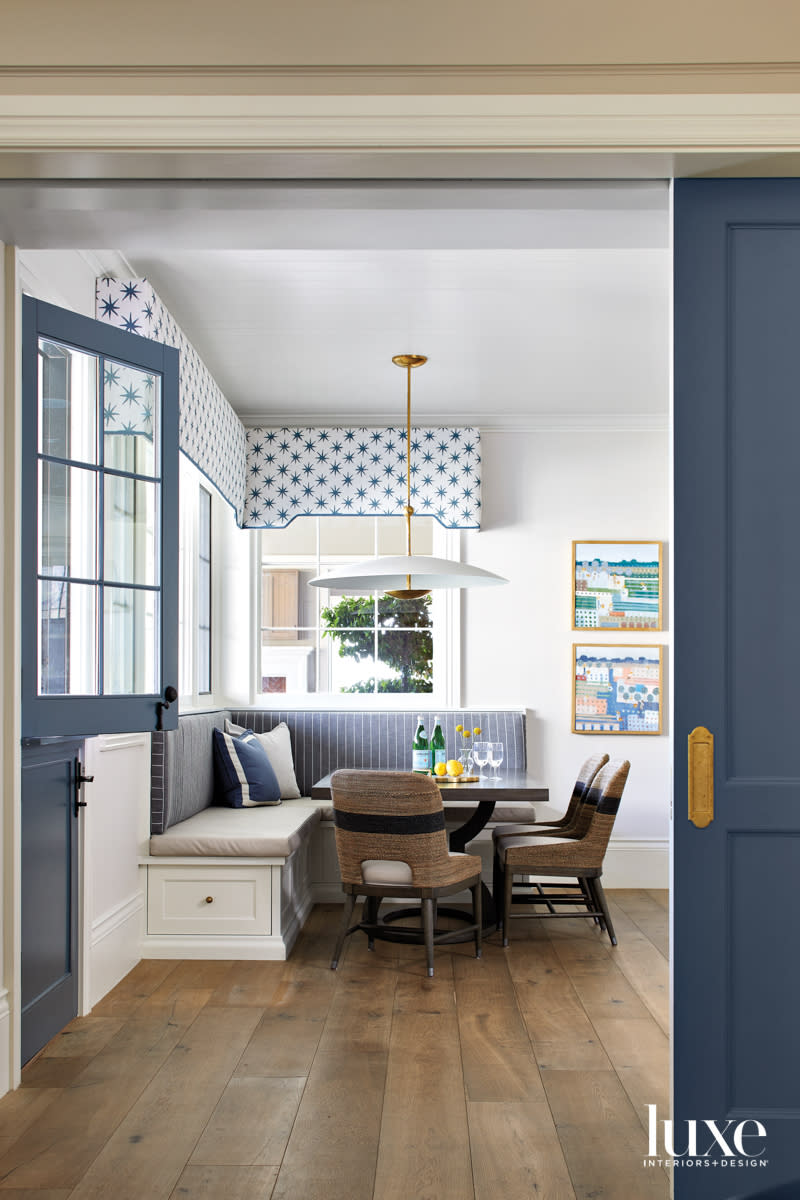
(245, 778)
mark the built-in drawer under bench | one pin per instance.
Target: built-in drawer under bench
(231, 882)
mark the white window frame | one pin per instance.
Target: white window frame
(446, 615)
(205, 491)
(191, 482)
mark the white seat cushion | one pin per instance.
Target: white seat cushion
(238, 832)
(390, 871)
(385, 870)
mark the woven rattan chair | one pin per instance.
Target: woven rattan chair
(391, 842)
(570, 824)
(573, 824)
(538, 856)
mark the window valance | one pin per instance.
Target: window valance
(272, 475)
(303, 471)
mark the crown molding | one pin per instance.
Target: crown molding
(631, 422)
(435, 78)
(498, 422)
(126, 121)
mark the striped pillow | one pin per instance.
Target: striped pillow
(244, 774)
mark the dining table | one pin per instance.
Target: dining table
(513, 786)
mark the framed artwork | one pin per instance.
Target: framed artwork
(617, 689)
(616, 586)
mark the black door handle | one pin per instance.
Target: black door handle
(78, 780)
(170, 695)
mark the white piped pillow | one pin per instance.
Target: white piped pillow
(278, 746)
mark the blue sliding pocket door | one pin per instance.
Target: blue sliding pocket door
(737, 699)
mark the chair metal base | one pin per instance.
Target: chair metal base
(386, 930)
(587, 892)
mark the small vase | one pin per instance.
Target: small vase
(465, 758)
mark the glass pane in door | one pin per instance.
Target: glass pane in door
(129, 530)
(67, 638)
(67, 402)
(67, 520)
(130, 641)
(131, 418)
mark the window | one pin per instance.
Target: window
(195, 637)
(322, 641)
(204, 593)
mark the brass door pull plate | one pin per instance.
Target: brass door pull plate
(701, 777)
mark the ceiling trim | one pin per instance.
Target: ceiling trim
(377, 122)
(633, 422)
(441, 78)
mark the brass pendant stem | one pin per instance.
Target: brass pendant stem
(408, 361)
(408, 453)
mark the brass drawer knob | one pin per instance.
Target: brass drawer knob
(209, 899)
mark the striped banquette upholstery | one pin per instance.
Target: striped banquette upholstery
(182, 776)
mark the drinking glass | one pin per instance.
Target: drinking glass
(495, 757)
(480, 756)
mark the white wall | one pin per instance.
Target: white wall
(541, 490)
(67, 277)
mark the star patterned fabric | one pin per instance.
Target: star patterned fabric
(297, 471)
(270, 476)
(129, 399)
(210, 433)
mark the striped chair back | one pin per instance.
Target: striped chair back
(573, 819)
(602, 804)
(392, 816)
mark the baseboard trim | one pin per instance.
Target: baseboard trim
(637, 863)
(270, 948)
(6, 1075)
(111, 921)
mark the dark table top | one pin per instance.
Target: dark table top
(512, 785)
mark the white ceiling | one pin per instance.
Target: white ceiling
(312, 333)
(530, 300)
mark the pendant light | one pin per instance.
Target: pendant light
(406, 576)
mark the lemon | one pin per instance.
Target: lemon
(454, 767)
(440, 769)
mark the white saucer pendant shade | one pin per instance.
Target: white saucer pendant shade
(392, 574)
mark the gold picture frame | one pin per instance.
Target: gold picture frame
(617, 586)
(617, 688)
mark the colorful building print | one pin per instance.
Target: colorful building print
(617, 585)
(618, 689)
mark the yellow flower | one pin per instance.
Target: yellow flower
(459, 728)
(466, 733)
(476, 730)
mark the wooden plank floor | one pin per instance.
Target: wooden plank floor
(524, 1074)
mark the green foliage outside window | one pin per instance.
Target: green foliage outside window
(404, 640)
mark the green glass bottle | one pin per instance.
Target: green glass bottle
(420, 750)
(438, 748)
